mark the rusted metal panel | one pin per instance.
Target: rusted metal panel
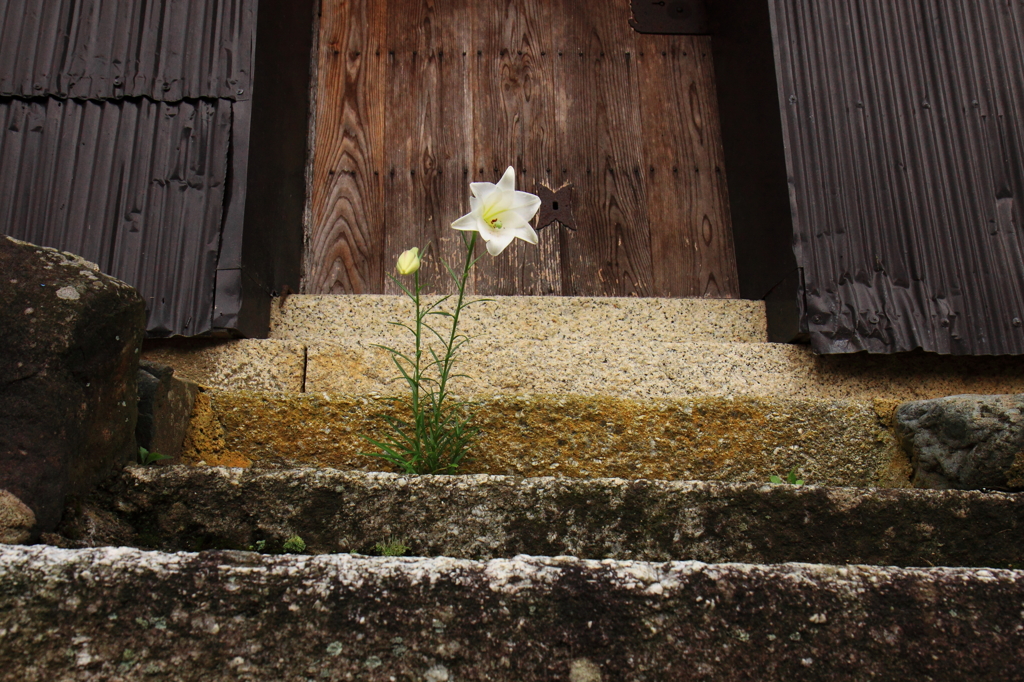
(167, 50)
(904, 134)
(135, 186)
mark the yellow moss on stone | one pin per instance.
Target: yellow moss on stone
(205, 441)
(832, 442)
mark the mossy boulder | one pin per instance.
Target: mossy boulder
(68, 362)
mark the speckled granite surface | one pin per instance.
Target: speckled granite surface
(627, 348)
(644, 368)
(257, 365)
(620, 365)
(512, 318)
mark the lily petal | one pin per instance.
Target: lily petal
(512, 219)
(508, 180)
(527, 233)
(501, 239)
(481, 189)
(467, 222)
(527, 201)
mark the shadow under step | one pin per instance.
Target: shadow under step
(484, 517)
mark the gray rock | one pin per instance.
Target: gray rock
(165, 409)
(965, 442)
(16, 520)
(123, 614)
(68, 361)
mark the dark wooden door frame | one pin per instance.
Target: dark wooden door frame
(755, 159)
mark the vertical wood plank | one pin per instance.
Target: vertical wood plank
(691, 233)
(718, 275)
(452, 138)
(513, 90)
(598, 124)
(345, 253)
(410, 97)
(429, 119)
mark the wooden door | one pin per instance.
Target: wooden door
(418, 98)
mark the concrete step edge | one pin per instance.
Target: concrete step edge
(505, 317)
(648, 369)
(122, 613)
(485, 517)
(629, 369)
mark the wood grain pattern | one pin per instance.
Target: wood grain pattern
(346, 237)
(429, 120)
(598, 124)
(717, 272)
(691, 234)
(564, 90)
(513, 89)
(409, 103)
(455, 122)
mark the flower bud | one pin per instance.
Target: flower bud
(409, 262)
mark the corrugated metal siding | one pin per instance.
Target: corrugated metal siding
(134, 185)
(167, 50)
(904, 126)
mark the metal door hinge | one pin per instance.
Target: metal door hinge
(556, 206)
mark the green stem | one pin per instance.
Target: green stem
(449, 357)
(417, 376)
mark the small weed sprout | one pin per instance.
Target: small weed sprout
(391, 547)
(790, 478)
(294, 545)
(259, 546)
(146, 458)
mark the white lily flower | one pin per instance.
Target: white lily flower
(500, 213)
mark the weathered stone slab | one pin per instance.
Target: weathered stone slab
(483, 517)
(69, 351)
(165, 410)
(124, 614)
(964, 442)
(502, 319)
(250, 364)
(626, 366)
(828, 442)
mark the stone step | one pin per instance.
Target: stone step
(827, 442)
(485, 517)
(618, 367)
(506, 319)
(118, 613)
(645, 368)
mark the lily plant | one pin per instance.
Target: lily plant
(436, 436)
